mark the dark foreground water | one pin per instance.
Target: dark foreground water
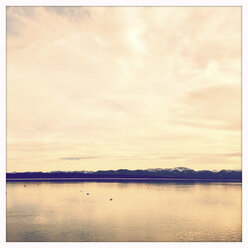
(139, 211)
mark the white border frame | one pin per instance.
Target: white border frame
(5, 3)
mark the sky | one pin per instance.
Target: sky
(98, 88)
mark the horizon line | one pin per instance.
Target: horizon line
(87, 171)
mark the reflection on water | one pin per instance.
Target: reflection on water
(46, 211)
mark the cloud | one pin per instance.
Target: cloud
(237, 154)
(171, 157)
(79, 158)
(216, 106)
(74, 13)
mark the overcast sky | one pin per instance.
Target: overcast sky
(113, 87)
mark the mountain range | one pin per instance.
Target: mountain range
(171, 173)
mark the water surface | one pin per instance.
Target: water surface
(139, 211)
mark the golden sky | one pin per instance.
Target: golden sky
(123, 87)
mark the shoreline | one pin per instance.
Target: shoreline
(124, 179)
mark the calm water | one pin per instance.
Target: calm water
(50, 211)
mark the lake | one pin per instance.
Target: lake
(138, 211)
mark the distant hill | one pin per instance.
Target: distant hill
(176, 173)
